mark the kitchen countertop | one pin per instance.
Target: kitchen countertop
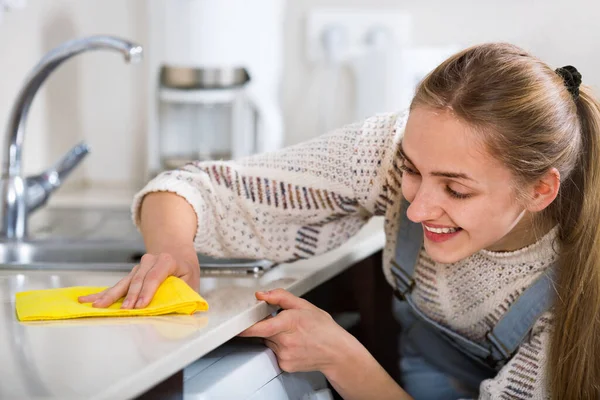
(120, 358)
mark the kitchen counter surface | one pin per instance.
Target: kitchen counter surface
(120, 358)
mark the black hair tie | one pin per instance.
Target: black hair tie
(571, 78)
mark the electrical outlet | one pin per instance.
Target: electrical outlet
(352, 31)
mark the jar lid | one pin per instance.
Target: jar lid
(202, 78)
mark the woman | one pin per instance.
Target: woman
(490, 190)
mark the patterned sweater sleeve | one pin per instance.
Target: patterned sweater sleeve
(290, 204)
(524, 376)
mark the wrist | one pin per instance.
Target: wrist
(184, 253)
(346, 352)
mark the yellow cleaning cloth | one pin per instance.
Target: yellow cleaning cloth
(173, 296)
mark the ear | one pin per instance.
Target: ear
(544, 191)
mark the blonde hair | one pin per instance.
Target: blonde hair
(530, 121)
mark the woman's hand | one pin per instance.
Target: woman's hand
(306, 338)
(302, 336)
(144, 279)
(168, 225)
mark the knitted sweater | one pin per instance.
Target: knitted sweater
(310, 198)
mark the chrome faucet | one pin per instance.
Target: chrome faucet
(18, 195)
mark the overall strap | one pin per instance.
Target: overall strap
(409, 240)
(506, 336)
(515, 324)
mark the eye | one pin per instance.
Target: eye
(457, 195)
(408, 170)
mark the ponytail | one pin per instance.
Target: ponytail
(574, 360)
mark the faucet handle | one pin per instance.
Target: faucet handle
(39, 187)
(67, 164)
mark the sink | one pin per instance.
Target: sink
(99, 239)
(96, 252)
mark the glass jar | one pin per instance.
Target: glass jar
(212, 121)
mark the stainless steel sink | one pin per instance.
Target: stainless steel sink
(65, 252)
(100, 239)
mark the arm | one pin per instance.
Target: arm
(168, 225)
(357, 375)
(524, 376)
(293, 203)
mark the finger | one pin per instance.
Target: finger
(245, 332)
(111, 295)
(284, 299)
(165, 265)
(267, 327)
(90, 298)
(137, 281)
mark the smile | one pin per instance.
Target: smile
(441, 230)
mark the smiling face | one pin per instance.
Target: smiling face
(463, 197)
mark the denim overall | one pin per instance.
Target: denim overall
(437, 363)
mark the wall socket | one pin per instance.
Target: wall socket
(351, 31)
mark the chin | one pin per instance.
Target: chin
(440, 255)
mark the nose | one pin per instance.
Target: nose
(424, 207)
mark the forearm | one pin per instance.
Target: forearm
(356, 375)
(168, 224)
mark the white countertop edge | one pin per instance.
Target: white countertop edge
(137, 384)
(150, 376)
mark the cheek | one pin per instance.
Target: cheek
(410, 186)
(488, 218)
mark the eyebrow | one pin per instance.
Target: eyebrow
(454, 175)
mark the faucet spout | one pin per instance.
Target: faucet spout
(15, 132)
(13, 187)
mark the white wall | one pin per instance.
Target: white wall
(95, 97)
(99, 98)
(556, 31)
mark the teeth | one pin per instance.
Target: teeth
(441, 230)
